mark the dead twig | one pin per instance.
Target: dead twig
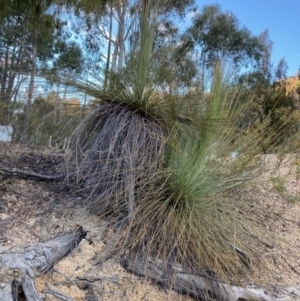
(91, 278)
(57, 294)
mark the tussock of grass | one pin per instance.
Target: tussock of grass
(116, 151)
(164, 183)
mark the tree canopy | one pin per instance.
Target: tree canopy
(219, 36)
(66, 42)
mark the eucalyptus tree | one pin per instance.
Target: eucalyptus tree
(265, 64)
(13, 56)
(174, 68)
(70, 62)
(217, 35)
(115, 26)
(30, 35)
(42, 28)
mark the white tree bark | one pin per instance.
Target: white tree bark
(21, 265)
(202, 288)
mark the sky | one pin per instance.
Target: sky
(281, 17)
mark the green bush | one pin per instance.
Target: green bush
(50, 119)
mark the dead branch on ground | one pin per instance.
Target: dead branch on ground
(19, 266)
(26, 173)
(201, 287)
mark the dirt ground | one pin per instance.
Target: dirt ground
(32, 211)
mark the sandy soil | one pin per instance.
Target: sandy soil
(32, 211)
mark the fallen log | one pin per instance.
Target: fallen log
(19, 266)
(27, 173)
(201, 287)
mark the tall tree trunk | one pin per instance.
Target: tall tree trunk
(119, 45)
(122, 32)
(25, 134)
(116, 50)
(4, 75)
(109, 46)
(10, 85)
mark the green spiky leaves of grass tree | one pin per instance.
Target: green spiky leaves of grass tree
(165, 184)
(190, 219)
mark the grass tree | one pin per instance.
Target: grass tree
(161, 173)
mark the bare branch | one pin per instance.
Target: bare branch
(102, 31)
(56, 294)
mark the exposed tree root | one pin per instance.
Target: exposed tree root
(21, 265)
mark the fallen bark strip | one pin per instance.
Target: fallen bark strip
(21, 265)
(27, 173)
(200, 287)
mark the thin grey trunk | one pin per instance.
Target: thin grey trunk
(20, 79)
(30, 93)
(4, 75)
(122, 32)
(115, 53)
(119, 45)
(10, 85)
(32, 75)
(109, 46)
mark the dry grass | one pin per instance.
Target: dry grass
(116, 154)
